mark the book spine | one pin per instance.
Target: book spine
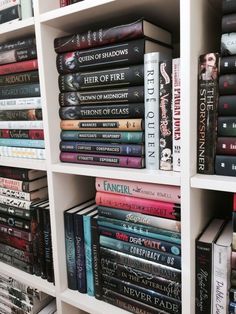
(226, 146)
(18, 173)
(135, 250)
(11, 142)
(115, 137)
(146, 280)
(15, 222)
(16, 55)
(128, 76)
(103, 160)
(128, 304)
(109, 111)
(15, 211)
(88, 254)
(22, 134)
(227, 84)
(22, 125)
(70, 251)
(18, 243)
(48, 245)
(93, 38)
(226, 126)
(23, 152)
(232, 295)
(228, 46)
(233, 257)
(228, 6)
(132, 94)
(80, 253)
(40, 244)
(5, 4)
(203, 278)
(22, 66)
(24, 235)
(142, 230)
(144, 295)
(151, 104)
(228, 65)
(165, 116)
(19, 78)
(232, 307)
(226, 106)
(21, 115)
(101, 148)
(130, 216)
(15, 202)
(21, 90)
(96, 261)
(115, 55)
(221, 278)
(16, 263)
(225, 165)
(228, 23)
(63, 3)
(20, 103)
(17, 43)
(19, 254)
(176, 129)
(159, 192)
(143, 241)
(26, 9)
(103, 124)
(207, 113)
(139, 205)
(10, 14)
(12, 184)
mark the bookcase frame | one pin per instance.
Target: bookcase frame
(194, 23)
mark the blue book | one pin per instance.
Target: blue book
(13, 142)
(79, 246)
(70, 244)
(88, 250)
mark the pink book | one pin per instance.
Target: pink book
(140, 205)
(159, 192)
(103, 160)
(21, 66)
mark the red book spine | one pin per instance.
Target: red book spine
(140, 205)
(11, 184)
(64, 3)
(226, 146)
(21, 66)
(22, 134)
(17, 243)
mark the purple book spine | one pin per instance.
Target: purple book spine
(103, 160)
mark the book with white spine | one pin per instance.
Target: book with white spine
(21, 103)
(23, 152)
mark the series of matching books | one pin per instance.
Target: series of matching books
(16, 297)
(21, 125)
(213, 268)
(15, 10)
(25, 233)
(130, 228)
(64, 3)
(102, 93)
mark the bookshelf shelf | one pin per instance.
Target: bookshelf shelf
(214, 182)
(23, 163)
(17, 29)
(28, 279)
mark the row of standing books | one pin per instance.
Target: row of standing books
(15, 10)
(25, 240)
(21, 125)
(129, 228)
(116, 93)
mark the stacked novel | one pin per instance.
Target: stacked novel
(225, 163)
(21, 125)
(16, 297)
(24, 221)
(139, 260)
(64, 3)
(14, 10)
(102, 92)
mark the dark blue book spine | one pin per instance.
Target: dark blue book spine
(232, 307)
(48, 245)
(88, 255)
(136, 250)
(148, 243)
(103, 148)
(70, 251)
(80, 253)
(96, 259)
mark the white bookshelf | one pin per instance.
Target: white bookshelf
(193, 24)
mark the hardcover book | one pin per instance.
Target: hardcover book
(17, 55)
(228, 6)
(17, 43)
(225, 165)
(226, 106)
(228, 44)
(21, 173)
(21, 66)
(22, 134)
(226, 146)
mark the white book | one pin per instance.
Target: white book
(21, 125)
(5, 4)
(151, 106)
(23, 152)
(222, 270)
(176, 97)
(26, 9)
(20, 103)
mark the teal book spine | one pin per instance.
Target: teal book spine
(88, 255)
(12, 142)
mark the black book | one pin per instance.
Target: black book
(20, 91)
(48, 244)
(228, 65)
(20, 78)
(227, 105)
(17, 43)
(228, 23)
(228, 6)
(225, 165)
(10, 14)
(227, 84)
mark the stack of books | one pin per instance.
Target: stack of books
(64, 3)
(15, 10)
(21, 125)
(232, 293)
(24, 221)
(140, 245)
(16, 297)
(102, 92)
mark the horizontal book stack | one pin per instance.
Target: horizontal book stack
(102, 93)
(139, 260)
(21, 125)
(232, 293)
(16, 297)
(15, 10)
(213, 267)
(64, 3)
(25, 237)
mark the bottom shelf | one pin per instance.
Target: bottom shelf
(31, 280)
(89, 304)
